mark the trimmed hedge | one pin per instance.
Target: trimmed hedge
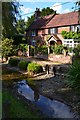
(34, 68)
(23, 65)
(14, 61)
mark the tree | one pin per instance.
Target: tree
(9, 17)
(30, 20)
(47, 11)
(20, 26)
(7, 47)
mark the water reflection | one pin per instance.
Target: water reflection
(36, 96)
(51, 108)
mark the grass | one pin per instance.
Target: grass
(17, 108)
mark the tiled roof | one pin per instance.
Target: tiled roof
(41, 22)
(55, 20)
(64, 20)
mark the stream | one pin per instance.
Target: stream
(49, 107)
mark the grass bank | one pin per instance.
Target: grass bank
(15, 108)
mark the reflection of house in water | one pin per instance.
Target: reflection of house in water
(36, 96)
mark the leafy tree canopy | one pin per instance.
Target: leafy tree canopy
(10, 13)
(7, 47)
(20, 26)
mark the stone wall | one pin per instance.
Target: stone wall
(60, 58)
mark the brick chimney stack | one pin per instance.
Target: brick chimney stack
(37, 13)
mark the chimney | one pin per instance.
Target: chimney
(37, 13)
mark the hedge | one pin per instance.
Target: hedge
(14, 61)
(23, 65)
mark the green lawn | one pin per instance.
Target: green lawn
(16, 108)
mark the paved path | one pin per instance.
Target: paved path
(40, 61)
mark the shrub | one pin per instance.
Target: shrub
(76, 50)
(42, 49)
(23, 65)
(74, 75)
(34, 68)
(58, 49)
(7, 47)
(14, 61)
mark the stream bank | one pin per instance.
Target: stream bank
(54, 87)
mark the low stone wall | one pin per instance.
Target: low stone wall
(60, 58)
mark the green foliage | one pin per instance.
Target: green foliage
(52, 47)
(17, 108)
(10, 12)
(14, 61)
(58, 49)
(23, 47)
(76, 50)
(47, 11)
(34, 68)
(74, 75)
(23, 65)
(70, 35)
(30, 20)
(42, 49)
(21, 26)
(70, 49)
(7, 47)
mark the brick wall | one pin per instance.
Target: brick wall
(60, 29)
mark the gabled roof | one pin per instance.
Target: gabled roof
(64, 20)
(55, 20)
(41, 22)
(55, 37)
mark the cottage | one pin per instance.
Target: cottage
(49, 28)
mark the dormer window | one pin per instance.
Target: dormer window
(33, 33)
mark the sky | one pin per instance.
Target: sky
(29, 7)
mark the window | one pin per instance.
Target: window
(71, 28)
(53, 31)
(33, 33)
(75, 28)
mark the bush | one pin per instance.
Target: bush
(7, 47)
(14, 61)
(42, 49)
(74, 75)
(34, 68)
(58, 49)
(23, 65)
(76, 50)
